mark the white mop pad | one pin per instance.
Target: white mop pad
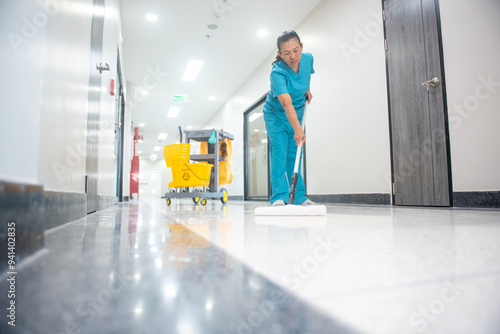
(291, 210)
(292, 222)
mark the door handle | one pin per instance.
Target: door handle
(434, 82)
(102, 67)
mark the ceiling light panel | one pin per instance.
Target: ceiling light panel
(163, 136)
(192, 70)
(173, 112)
(152, 17)
(263, 33)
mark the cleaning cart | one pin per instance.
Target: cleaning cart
(200, 180)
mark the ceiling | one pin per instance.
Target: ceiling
(156, 54)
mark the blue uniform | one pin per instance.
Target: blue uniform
(283, 147)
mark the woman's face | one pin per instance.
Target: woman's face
(291, 51)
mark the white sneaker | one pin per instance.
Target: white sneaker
(279, 203)
(308, 202)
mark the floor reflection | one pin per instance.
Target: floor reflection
(132, 269)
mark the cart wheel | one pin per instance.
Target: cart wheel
(169, 201)
(225, 196)
(203, 202)
(196, 200)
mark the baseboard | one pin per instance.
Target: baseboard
(371, 199)
(106, 201)
(34, 211)
(63, 207)
(235, 198)
(476, 199)
(21, 215)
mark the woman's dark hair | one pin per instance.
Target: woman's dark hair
(285, 37)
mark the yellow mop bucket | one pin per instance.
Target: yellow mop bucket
(190, 175)
(185, 174)
(176, 153)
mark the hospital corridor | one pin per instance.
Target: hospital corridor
(249, 167)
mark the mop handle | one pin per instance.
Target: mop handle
(299, 149)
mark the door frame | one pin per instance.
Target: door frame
(121, 131)
(246, 197)
(445, 104)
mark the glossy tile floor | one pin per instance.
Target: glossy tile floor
(143, 267)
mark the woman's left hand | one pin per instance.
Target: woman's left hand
(309, 96)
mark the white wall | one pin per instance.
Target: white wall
(64, 101)
(471, 35)
(44, 91)
(348, 149)
(158, 165)
(348, 127)
(20, 90)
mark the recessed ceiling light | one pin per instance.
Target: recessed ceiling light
(189, 127)
(153, 157)
(139, 152)
(152, 17)
(163, 136)
(173, 112)
(142, 124)
(192, 70)
(212, 98)
(263, 33)
(156, 148)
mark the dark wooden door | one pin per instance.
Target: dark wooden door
(420, 159)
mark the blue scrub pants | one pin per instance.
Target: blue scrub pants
(283, 150)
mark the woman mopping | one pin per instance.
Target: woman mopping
(283, 111)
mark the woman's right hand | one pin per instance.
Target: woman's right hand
(299, 136)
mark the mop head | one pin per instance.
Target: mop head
(292, 222)
(291, 210)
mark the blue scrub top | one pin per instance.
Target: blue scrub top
(284, 80)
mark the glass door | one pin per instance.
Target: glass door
(257, 179)
(256, 153)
